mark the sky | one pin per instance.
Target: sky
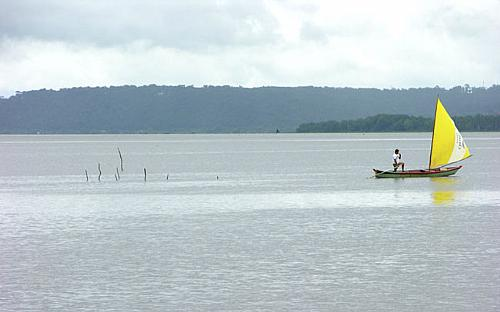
(383, 44)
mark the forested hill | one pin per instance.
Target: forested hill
(170, 109)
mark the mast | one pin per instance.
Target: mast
(433, 128)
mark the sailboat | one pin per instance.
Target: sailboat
(447, 147)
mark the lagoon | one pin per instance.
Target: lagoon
(293, 222)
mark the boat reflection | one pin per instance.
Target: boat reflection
(443, 190)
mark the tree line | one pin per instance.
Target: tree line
(400, 123)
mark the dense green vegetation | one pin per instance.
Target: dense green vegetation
(186, 109)
(401, 123)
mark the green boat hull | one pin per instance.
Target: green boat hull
(424, 173)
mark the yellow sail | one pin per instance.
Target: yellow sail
(448, 146)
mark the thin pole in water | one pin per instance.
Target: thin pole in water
(100, 172)
(121, 159)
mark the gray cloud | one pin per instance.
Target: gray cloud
(313, 32)
(464, 23)
(474, 31)
(58, 43)
(177, 24)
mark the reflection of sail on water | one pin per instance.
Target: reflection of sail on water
(443, 191)
(448, 146)
(443, 197)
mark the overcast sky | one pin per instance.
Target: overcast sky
(385, 44)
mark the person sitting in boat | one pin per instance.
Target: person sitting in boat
(397, 161)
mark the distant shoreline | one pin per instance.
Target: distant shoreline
(224, 109)
(224, 133)
(382, 123)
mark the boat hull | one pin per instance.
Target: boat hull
(424, 173)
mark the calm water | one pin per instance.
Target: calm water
(294, 223)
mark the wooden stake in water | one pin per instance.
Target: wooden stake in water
(100, 172)
(117, 174)
(87, 175)
(145, 175)
(121, 159)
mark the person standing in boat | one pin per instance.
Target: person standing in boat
(397, 161)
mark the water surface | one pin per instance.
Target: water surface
(293, 222)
